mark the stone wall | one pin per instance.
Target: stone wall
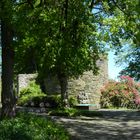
(86, 88)
(23, 80)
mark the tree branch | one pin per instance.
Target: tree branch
(93, 3)
(119, 7)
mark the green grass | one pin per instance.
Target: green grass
(71, 112)
(31, 127)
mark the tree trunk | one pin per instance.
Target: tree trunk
(8, 97)
(64, 89)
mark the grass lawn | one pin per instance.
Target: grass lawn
(71, 112)
(31, 127)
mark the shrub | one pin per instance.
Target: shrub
(72, 112)
(63, 112)
(38, 99)
(121, 94)
(72, 101)
(52, 101)
(32, 96)
(31, 127)
(27, 94)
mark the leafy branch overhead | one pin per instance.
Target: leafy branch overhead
(63, 37)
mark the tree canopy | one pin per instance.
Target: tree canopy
(119, 29)
(65, 37)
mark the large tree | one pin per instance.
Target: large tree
(8, 97)
(65, 36)
(8, 29)
(63, 40)
(68, 35)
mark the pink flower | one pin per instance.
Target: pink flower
(116, 92)
(127, 79)
(126, 92)
(136, 93)
(137, 100)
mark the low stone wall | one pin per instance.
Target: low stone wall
(86, 88)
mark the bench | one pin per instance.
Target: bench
(87, 106)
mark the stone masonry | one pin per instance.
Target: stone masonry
(23, 80)
(85, 88)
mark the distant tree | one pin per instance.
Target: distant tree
(132, 63)
(121, 28)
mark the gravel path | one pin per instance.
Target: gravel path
(114, 125)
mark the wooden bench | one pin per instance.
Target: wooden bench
(87, 106)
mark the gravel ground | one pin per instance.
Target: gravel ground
(114, 125)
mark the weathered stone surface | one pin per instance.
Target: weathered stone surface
(85, 88)
(23, 80)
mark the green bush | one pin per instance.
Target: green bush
(32, 88)
(31, 127)
(72, 101)
(40, 100)
(29, 97)
(56, 102)
(63, 112)
(72, 112)
(51, 101)
(27, 94)
(33, 96)
(123, 94)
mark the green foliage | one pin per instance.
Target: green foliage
(119, 27)
(60, 42)
(62, 112)
(32, 88)
(72, 112)
(27, 94)
(66, 37)
(132, 62)
(62, 39)
(52, 101)
(72, 101)
(42, 100)
(31, 127)
(123, 94)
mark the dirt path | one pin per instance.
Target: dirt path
(115, 125)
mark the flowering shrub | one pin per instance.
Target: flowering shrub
(125, 93)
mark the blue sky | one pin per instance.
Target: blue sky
(113, 69)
